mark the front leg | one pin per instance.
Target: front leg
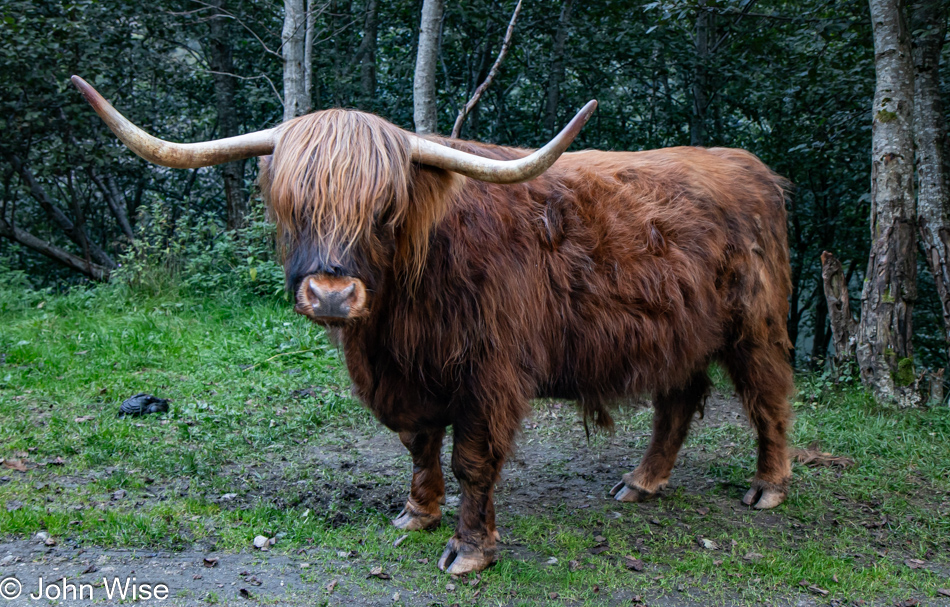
(427, 492)
(477, 458)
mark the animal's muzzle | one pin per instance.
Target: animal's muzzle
(326, 298)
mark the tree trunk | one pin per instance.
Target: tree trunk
(795, 261)
(929, 25)
(225, 85)
(704, 30)
(110, 194)
(294, 38)
(344, 61)
(469, 107)
(90, 269)
(843, 325)
(425, 110)
(75, 231)
(557, 68)
(368, 53)
(794, 314)
(819, 344)
(885, 347)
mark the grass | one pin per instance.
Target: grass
(259, 396)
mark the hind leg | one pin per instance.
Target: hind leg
(763, 378)
(427, 492)
(672, 415)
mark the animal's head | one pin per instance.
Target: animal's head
(351, 207)
(351, 194)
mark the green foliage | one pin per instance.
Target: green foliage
(790, 81)
(260, 409)
(12, 278)
(194, 253)
(16, 293)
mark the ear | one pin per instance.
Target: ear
(431, 192)
(265, 174)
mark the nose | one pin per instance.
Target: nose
(323, 296)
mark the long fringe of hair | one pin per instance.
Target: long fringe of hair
(337, 174)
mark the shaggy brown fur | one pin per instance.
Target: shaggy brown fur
(611, 275)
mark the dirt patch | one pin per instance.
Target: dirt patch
(190, 580)
(555, 465)
(556, 468)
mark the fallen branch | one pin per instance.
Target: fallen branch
(463, 113)
(74, 231)
(815, 458)
(85, 266)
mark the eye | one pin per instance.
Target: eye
(334, 270)
(383, 217)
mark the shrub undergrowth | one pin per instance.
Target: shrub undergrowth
(192, 251)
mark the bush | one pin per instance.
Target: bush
(11, 278)
(15, 289)
(195, 252)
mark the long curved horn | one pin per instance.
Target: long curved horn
(177, 155)
(425, 151)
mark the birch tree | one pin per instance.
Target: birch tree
(885, 350)
(293, 49)
(425, 109)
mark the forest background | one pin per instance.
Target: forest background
(793, 82)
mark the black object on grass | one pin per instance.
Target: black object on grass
(143, 404)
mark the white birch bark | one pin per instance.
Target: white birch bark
(885, 347)
(293, 39)
(425, 109)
